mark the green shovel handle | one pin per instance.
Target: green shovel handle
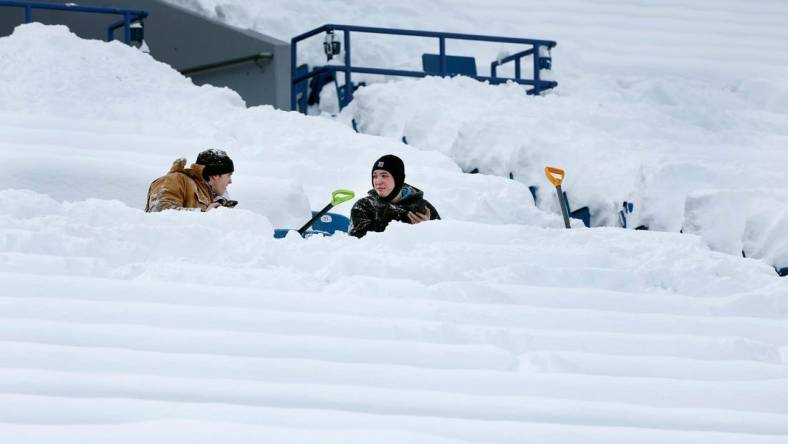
(339, 196)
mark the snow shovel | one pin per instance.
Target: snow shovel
(337, 197)
(556, 176)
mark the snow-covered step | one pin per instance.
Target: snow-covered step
(488, 326)
(394, 376)
(558, 361)
(710, 412)
(247, 423)
(240, 343)
(762, 339)
(761, 303)
(353, 295)
(365, 314)
(474, 347)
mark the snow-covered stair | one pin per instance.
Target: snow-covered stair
(527, 335)
(494, 325)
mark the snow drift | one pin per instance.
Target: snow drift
(484, 327)
(281, 157)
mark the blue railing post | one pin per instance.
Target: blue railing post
(442, 53)
(537, 80)
(517, 69)
(293, 61)
(127, 28)
(28, 14)
(348, 84)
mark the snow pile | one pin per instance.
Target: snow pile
(285, 162)
(613, 151)
(125, 85)
(86, 238)
(72, 234)
(649, 144)
(164, 325)
(487, 326)
(752, 222)
(651, 106)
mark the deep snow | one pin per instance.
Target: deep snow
(656, 102)
(137, 328)
(280, 156)
(489, 326)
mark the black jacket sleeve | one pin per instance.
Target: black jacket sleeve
(362, 218)
(368, 215)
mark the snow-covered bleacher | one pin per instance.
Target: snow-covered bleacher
(494, 324)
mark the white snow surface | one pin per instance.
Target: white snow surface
(60, 146)
(494, 325)
(656, 100)
(753, 221)
(192, 327)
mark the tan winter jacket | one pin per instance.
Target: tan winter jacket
(180, 189)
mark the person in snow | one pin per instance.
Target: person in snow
(203, 186)
(389, 199)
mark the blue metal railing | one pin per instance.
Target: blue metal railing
(536, 82)
(129, 15)
(540, 62)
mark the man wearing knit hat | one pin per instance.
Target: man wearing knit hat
(200, 187)
(389, 199)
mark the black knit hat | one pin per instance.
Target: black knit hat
(396, 168)
(216, 163)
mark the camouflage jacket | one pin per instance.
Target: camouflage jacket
(372, 213)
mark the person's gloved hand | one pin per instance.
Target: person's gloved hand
(225, 202)
(415, 218)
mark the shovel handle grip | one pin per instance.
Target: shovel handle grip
(554, 175)
(339, 196)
